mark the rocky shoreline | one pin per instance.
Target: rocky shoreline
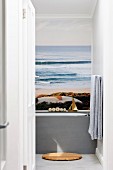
(44, 105)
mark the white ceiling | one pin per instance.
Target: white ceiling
(80, 8)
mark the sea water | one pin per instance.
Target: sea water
(63, 66)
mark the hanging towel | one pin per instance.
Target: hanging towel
(96, 108)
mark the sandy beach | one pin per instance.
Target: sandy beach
(46, 98)
(50, 91)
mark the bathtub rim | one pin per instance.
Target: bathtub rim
(78, 113)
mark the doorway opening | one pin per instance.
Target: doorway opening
(63, 69)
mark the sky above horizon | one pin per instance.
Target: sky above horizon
(73, 32)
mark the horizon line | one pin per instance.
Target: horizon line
(63, 45)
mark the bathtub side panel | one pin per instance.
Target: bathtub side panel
(63, 134)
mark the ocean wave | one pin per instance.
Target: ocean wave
(64, 66)
(46, 83)
(45, 74)
(62, 62)
(59, 75)
(42, 82)
(65, 79)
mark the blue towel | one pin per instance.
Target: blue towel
(96, 108)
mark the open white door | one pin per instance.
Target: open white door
(20, 35)
(29, 86)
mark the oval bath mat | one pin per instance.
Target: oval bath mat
(61, 156)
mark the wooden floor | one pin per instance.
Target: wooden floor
(88, 162)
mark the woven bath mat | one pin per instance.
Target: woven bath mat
(61, 156)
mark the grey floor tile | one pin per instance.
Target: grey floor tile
(88, 162)
(60, 168)
(95, 168)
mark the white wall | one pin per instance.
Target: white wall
(97, 67)
(108, 85)
(98, 49)
(103, 64)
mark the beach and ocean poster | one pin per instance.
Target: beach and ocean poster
(63, 64)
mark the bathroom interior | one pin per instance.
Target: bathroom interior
(69, 51)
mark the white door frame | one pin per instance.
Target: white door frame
(3, 112)
(29, 85)
(14, 84)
